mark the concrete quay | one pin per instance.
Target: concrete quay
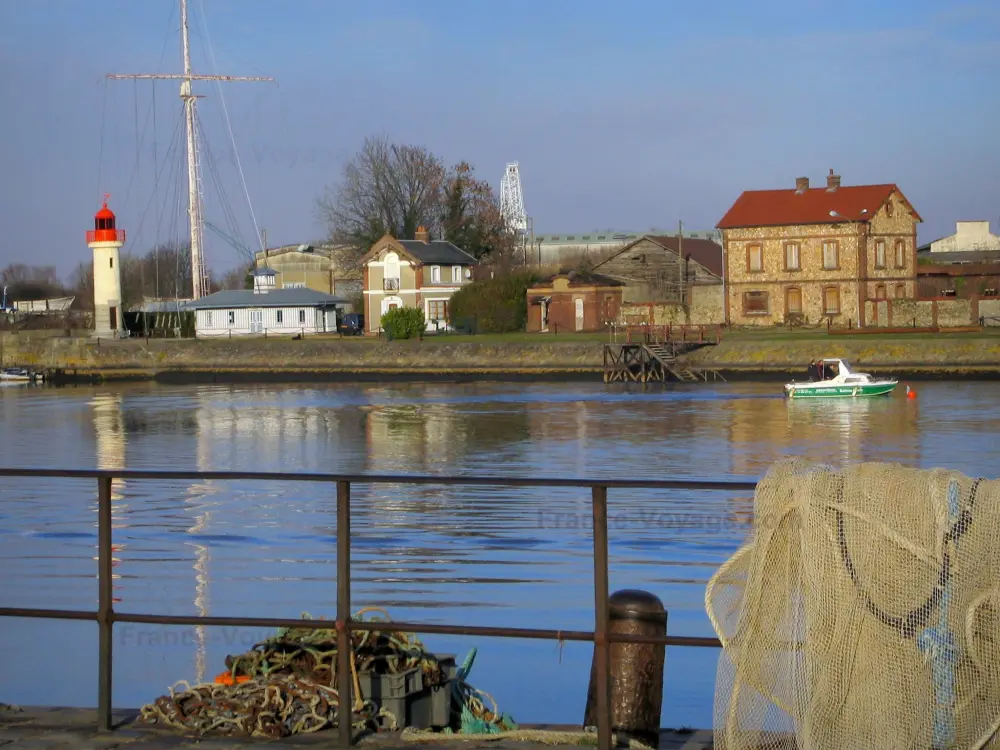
(44, 728)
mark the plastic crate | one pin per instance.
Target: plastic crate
(405, 695)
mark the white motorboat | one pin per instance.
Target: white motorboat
(19, 375)
(844, 384)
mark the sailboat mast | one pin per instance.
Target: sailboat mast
(199, 272)
(194, 203)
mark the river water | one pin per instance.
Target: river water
(478, 556)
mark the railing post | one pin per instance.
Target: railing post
(601, 647)
(104, 604)
(345, 708)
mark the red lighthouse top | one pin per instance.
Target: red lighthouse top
(104, 226)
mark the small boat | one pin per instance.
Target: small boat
(19, 375)
(844, 384)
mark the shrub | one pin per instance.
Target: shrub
(497, 305)
(404, 323)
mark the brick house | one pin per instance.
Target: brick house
(817, 254)
(574, 301)
(413, 273)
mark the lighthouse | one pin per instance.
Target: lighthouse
(105, 240)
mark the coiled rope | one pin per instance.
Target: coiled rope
(285, 685)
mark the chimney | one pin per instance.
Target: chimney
(422, 235)
(832, 182)
(801, 184)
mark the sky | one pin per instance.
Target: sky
(625, 115)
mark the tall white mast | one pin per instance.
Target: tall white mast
(199, 272)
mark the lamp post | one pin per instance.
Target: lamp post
(862, 262)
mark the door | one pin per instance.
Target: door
(579, 313)
(113, 318)
(256, 321)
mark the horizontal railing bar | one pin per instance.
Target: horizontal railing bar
(362, 625)
(48, 614)
(678, 484)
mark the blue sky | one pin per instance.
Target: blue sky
(624, 115)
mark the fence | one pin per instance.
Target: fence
(106, 617)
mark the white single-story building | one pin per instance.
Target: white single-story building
(266, 310)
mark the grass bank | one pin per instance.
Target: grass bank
(519, 356)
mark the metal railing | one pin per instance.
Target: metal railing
(106, 616)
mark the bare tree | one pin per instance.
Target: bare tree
(26, 282)
(81, 283)
(471, 218)
(235, 278)
(386, 188)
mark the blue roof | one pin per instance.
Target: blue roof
(236, 298)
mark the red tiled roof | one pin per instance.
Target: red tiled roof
(704, 252)
(769, 208)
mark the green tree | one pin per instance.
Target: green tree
(497, 305)
(404, 323)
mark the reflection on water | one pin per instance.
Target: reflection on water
(480, 556)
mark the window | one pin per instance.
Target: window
(208, 318)
(880, 254)
(435, 274)
(111, 262)
(880, 291)
(900, 254)
(888, 208)
(437, 309)
(755, 258)
(793, 301)
(831, 300)
(755, 303)
(293, 285)
(792, 256)
(831, 261)
(456, 274)
(232, 318)
(280, 316)
(900, 291)
(302, 316)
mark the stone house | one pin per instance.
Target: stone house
(662, 268)
(413, 273)
(574, 301)
(311, 267)
(668, 279)
(817, 254)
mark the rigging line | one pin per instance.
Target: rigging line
(135, 107)
(100, 153)
(172, 153)
(232, 138)
(156, 182)
(227, 210)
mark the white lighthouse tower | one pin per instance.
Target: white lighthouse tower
(106, 241)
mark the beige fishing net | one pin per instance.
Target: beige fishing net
(863, 612)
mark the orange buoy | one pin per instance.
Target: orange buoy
(910, 393)
(226, 678)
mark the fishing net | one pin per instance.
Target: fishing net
(286, 685)
(313, 653)
(863, 612)
(277, 707)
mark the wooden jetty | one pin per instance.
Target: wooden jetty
(651, 354)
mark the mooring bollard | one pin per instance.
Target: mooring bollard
(636, 668)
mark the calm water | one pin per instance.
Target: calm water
(477, 556)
